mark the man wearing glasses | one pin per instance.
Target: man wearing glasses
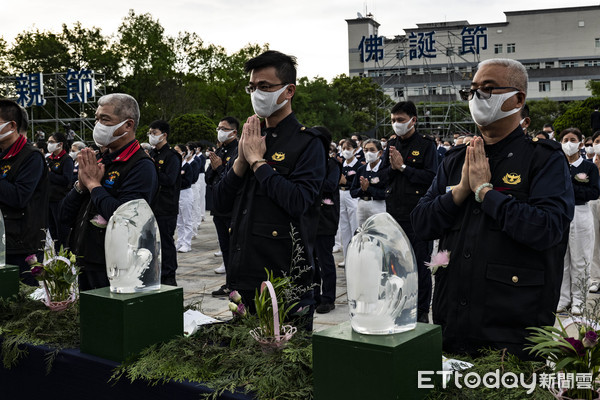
(273, 186)
(502, 206)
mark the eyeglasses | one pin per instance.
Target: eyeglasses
(263, 87)
(482, 93)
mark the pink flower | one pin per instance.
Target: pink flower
(590, 339)
(439, 259)
(37, 270)
(99, 221)
(32, 259)
(233, 307)
(235, 296)
(582, 177)
(241, 310)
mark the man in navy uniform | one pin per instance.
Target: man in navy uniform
(166, 202)
(124, 173)
(273, 185)
(23, 189)
(411, 169)
(502, 206)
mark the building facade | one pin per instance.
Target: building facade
(431, 63)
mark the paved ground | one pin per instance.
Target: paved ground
(197, 277)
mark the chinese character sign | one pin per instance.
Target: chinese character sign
(473, 39)
(30, 89)
(80, 85)
(372, 47)
(421, 45)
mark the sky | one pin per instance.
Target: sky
(315, 31)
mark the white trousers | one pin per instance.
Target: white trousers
(577, 257)
(368, 208)
(185, 219)
(348, 221)
(595, 265)
(202, 198)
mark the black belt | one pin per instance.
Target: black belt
(367, 198)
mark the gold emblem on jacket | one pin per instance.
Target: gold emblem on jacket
(512, 179)
(415, 153)
(279, 156)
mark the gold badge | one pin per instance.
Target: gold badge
(161, 161)
(279, 156)
(415, 153)
(5, 170)
(512, 179)
(227, 159)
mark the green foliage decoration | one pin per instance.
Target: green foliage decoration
(577, 115)
(192, 127)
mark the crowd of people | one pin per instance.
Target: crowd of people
(517, 210)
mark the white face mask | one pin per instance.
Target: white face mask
(103, 134)
(402, 128)
(384, 144)
(485, 112)
(596, 148)
(447, 147)
(223, 135)
(371, 157)
(589, 150)
(265, 103)
(521, 122)
(52, 147)
(155, 139)
(2, 136)
(73, 154)
(570, 148)
(347, 154)
(206, 154)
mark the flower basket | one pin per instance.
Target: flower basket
(285, 333)
(58, 276)
(58, 305)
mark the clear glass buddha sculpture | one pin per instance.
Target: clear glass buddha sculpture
(132, 247)
(381, 277)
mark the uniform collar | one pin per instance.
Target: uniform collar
(497, 148)
(58, 157)
(123, 154)
(346, 163)
(578, 162)
(376, 166)
(15, 148)
(285, 125)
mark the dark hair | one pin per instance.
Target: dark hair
(24, 121)
(324, 131)
(544, 134)
(199, 146)
(351, 142)
(11, 111)
(587, 138)
(285, 66)
(61, 138)
(161, 125)
(376, 142)
(549, 126)
(191, 146)
(525, 111)
(595, 135)
(232, 122)
(182, 147)
(407, 107)
(574, 131)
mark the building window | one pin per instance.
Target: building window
(597, 42)
(566, 86)
(569, 64)
(531, 65)
(549, 64)
(497, 48)
(510, 48)
(544, 86)
(591, 63)
(399, 92)
(581, 24)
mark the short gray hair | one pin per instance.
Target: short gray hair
(79, 145)
(125, 106)
(516, 74)
(376, 142)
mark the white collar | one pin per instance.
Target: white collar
(376, 166)
(346, 163)
(578, 162)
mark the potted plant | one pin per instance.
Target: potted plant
(574, 358)
(58, 276)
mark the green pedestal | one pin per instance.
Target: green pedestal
(349, 365)
(9, 281)
(116, 326)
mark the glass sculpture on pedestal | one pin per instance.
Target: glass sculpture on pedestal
(132, 247)
(381, 276)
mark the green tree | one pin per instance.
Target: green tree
(35, 51)
(578, 115)
(544, 111)
(192, 127)
(594, 87)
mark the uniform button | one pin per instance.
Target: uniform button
(229, 230)
(467, 254)
(417, 192)
(244, 211)
(274, 233)
(463, 302)
(238, 248)
(476, 211)
(515, 279)
(274, 169)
